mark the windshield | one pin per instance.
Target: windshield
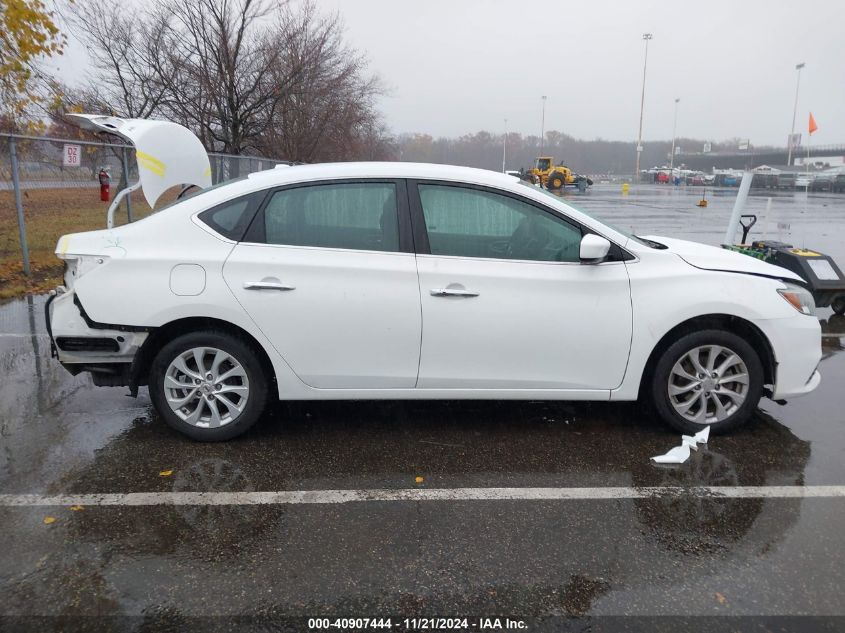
(627, 234)
(543, 163)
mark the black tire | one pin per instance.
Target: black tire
(838, 304)
(659, 388)
(240, 350)
(556, 181)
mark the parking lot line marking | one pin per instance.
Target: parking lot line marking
(295, 497)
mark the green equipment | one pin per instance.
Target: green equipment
(824, 278)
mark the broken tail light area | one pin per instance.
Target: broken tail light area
(78, 265)
(83, 252)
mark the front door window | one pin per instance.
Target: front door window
(466, 222)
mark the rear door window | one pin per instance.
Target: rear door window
(359, 216)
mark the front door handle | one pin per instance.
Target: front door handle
(452, 292)
(267, 285)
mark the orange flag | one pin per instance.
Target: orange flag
(813, 126)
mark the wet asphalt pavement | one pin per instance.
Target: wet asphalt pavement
(666, 555)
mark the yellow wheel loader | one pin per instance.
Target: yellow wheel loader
(546, 174)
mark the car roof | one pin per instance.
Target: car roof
(289, 174)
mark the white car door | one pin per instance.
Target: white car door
(327, 277)
(506, 302)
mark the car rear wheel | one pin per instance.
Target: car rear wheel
(710, 378)
(209, 386)
(838, 304)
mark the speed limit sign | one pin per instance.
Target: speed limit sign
(72, 156)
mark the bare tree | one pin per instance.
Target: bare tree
(223, 84)
(125, 56)
(328, 111)
(247, 76)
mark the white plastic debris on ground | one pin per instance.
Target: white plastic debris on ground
(680, 454)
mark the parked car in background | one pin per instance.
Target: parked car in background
(803, 181)
(419, 281)
(786, 181)
(822, 182)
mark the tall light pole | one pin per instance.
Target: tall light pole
(674, 128)
(543, 126)
(798, 67)
(505, 148)
(646, 38)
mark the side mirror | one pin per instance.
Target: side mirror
(594, 249)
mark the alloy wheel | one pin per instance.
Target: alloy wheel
(708, 384)
(206, 387)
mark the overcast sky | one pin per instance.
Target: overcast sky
(459, 66)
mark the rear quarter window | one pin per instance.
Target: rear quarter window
(231, 218)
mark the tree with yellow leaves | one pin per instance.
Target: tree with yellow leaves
(28, 33)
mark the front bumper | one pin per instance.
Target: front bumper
(797, 346)
(69, 329)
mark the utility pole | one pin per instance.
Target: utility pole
(646, 37)
(798, 67)
(543, 126)
(674, 128)
(16, 184)
(505, 148)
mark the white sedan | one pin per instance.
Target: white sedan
(416, 281)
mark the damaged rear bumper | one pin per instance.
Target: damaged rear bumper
(81, 344)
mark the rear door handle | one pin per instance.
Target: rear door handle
(267, 285)
(452, 292)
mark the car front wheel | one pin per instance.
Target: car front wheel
(209, 386)
(710, 378)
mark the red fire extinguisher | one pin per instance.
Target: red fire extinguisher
(105, 179)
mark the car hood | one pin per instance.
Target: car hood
(715, 258)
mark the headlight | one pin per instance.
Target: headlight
(799, 298)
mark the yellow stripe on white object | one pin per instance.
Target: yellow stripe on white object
(150, 163)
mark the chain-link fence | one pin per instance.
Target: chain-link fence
(52, 186)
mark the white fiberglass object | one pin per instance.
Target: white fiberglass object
(401, 281)
(167, 153)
